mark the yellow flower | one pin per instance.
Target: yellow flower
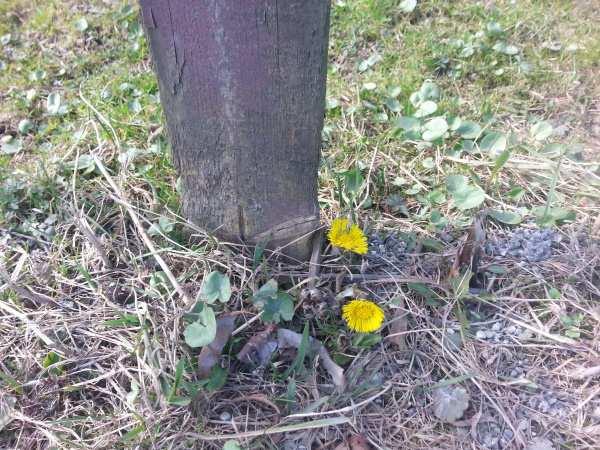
(348, 236)
(362, 315)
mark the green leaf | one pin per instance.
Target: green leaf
(408, 123)
(394, 91)
(548, 217)
(393, 104)
(460, 284)
(501, 160)
(53, 104)
(493, 143)
(507, 217)
(286, 306)
(366, 340)
(298, 363)
(553, 150)
(277, 308)
(5, 39)
(232, 445)
(25, 126)
(507, 49)
(178, 400)
(429, 91)
(266, 291)
(554, 294)
(179, 368)
(216, 286)
(11, 145)
(469, 130)
(494, 28)
(126, 320)
(217, 378)
(426, 108)
(203, 331)
(37, 75)
(81, 24)
(516, 193)
(435, 129)
(541, 131)
(353, 180)
(408, 6)
(465, 196)
(135, 106)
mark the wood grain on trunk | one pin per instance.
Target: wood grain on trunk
(242, 84)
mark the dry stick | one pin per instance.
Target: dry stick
(147, 241)
(342, 410)
(282, 429)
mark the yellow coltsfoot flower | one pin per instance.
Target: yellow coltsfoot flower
(348, 236)
(362, 315)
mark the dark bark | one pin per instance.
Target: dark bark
(242, 84)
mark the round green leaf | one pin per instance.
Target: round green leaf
(507, 49)
(553, 150)
(469, 130)
(464, 195)
(10, 145)
(408, 6)
(507, 217)
(53, 103)
(541, 130)
(81, 24)
(203, 331)
(216, 286)
(494, 28)
(426, 108)
(25, 126)
(493, 143)
(393, 104)
(408, 123)
(232, 445)
(435, 129)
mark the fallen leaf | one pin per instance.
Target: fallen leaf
(399, 326)
(450, 402)
(358, 442)
(209, 355)
(540, 443)
(259, 348)
(355, 442)
(7, 404)
(469, 252)
(351, 291)
(288, 338)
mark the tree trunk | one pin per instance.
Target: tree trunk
(242, 84)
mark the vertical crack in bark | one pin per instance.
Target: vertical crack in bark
(231, 162)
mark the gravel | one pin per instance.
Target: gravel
(389, 250)
(533, 245)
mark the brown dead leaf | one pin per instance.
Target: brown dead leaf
(355, 442)
(259, 348)
(469, 251)
(288, 338)
(210, 354)
(399, 326)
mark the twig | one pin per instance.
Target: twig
(346, 409)
(275, 430)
